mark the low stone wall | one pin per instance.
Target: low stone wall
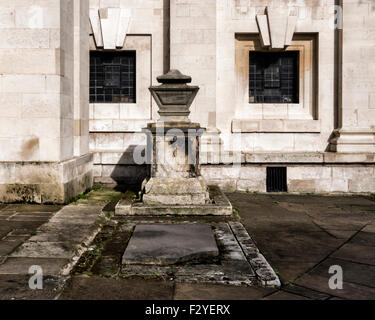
(301, 178)
(46, 182)
(306, 172)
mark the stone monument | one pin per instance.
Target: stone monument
(173, 146)
(175, 185)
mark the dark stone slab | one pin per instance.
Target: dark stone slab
(357, 273)
(356, 253)
(350, 290)
(186, 291)
(162, 244)
(305, 292)
(85, 288)
(7, 247)
(364, 239)
(16, 287)
(282, 295)
(31, 208)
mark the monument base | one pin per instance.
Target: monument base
(219, 206)
(176, 191)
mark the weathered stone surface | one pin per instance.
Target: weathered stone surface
(174, 191)
(50, 266)
(160, 244)
(220, 206)
(187, 291)
(84, 288)
(174, 97)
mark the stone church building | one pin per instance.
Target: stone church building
(287, 92)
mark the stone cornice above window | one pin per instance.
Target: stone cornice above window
(276, 27)
(110, 26)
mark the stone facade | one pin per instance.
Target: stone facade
(43, 92)
(327, 140)
(330, 130)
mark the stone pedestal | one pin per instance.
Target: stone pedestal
(173, 147)
(175, 185)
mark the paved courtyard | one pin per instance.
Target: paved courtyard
(301, 237)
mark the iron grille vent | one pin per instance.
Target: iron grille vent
(277, 179)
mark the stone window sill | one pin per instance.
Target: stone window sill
(276, 126)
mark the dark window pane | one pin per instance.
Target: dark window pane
(111, 75)
(273, 77)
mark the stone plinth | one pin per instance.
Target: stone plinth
(175, 171)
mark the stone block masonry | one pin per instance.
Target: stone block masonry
(44, 107)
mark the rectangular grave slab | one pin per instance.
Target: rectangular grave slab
(170, 244)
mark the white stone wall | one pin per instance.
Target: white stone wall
(81, 74)
(194, 52)
(204, 41)
(301, 178)
(116, 128)
(42, 79)
(30, 80)
(239, 17)
(45, 115)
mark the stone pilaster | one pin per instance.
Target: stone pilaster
(356, 132)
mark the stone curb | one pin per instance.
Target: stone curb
(262, 268)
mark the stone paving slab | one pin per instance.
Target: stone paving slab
(188, 291)
(168, 244)
(50, 266)
(350, 290)
(364, 239)
(16, 287)
(82, 216)
(63, 232)
(96, 288)
(283, 295)
(301, 236)
(305, 292)
(31, 208)
(357, 273)
(31, 249)
(356, 253)
(8, 246)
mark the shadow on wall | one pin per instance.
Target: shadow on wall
(127, 175)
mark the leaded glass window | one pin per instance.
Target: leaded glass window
(274, 77)
(112, 77)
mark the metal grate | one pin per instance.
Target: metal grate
(277, 179)
(112, 77)
(274, 77)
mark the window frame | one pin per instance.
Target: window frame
(306, 109)
(278, 55)
(119, 87)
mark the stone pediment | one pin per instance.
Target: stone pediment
(110, 26)
(276, 27)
